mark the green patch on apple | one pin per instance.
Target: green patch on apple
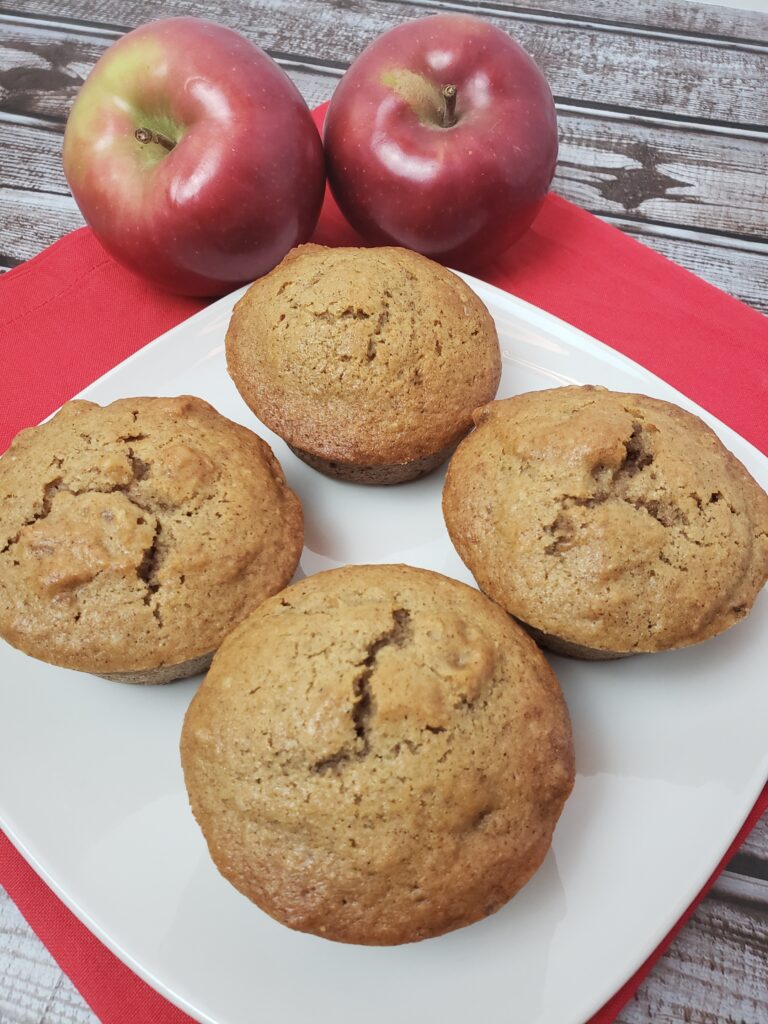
(193, 157)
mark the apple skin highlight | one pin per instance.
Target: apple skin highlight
(193, 157)
(403, 174)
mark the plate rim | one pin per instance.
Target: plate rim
(575, 338)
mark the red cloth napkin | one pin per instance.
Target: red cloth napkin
(70, 314)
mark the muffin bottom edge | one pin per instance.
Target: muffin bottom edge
(385, 474)
(558, 645)
(163, 674)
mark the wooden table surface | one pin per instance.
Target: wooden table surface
(663, 111)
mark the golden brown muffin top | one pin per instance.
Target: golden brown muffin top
(137, 535)
(365, 356)
(614, 521)
(377, 755)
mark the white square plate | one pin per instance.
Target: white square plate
(671, 753)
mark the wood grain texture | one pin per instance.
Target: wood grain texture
(41, 70)
(33, 990)
(621, 167)
(757, 843)
(741, 273)
(703, 980)
(669, 16)
(32, 220)
(28, 147)
(752, 858)
(683, 78)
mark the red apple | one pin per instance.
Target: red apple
(442, 137)
(193, 157)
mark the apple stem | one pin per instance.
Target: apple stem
(449, 106)
(146, 135)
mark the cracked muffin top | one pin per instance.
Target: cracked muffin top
(363, 356)
(615, 522)
(137, 535)
(378, 754)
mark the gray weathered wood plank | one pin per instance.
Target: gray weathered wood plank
(683, 78)
(741, 273)
(42, 69)
(31, 160)
(757, 841)
(671, 16)
(752, 858)
(33, 990)
(625, 167)
(715, 971)
(33, 220)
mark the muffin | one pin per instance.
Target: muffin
(368, 362)
(378, 755)
(135, 536)
(608, 523)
